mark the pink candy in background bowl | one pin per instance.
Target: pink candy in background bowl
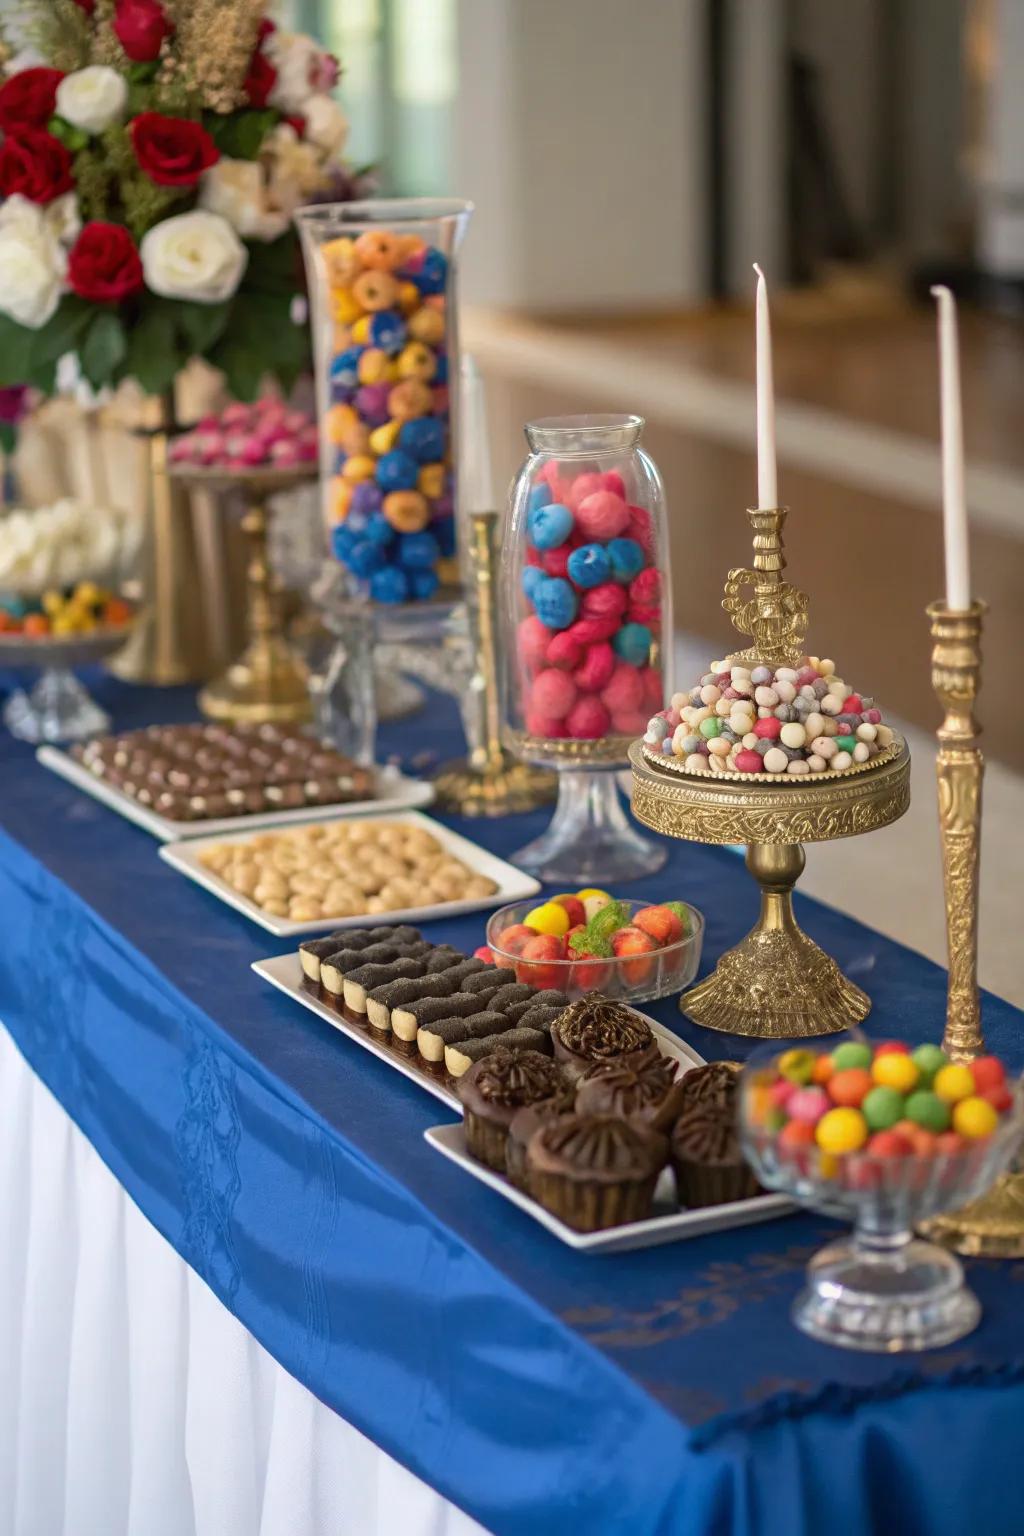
(267, 433)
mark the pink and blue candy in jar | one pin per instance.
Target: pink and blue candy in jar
(390, 487)
(589, 637)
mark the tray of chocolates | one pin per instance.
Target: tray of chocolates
(322, 876)
(616, 1140)
(196, 780)
(428, 1010)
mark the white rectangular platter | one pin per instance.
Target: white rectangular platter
(285, 973)
(511, 883)
(668, 1225)
(395, 792)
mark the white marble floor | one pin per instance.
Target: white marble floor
(892, 879)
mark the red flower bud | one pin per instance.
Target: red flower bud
(141, 27)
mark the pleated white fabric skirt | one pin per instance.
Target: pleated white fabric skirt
(132, 1403)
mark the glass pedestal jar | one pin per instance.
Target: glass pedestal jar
(587, 634)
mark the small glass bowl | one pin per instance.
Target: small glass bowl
(629, 978)
(882, 1289)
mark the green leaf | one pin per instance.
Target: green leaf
(43, 376)
(275, 266)
(201, 325)
(243, 368)
(240, 135)
(261, 339)
(16, 350)
(8, 436)
(60, 334)
(138, 74)
(153, 355)
(103, 349)
(73, 137)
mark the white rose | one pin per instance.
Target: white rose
(193, 256)
(32, 267)
(326, 124)
(296, 59)
(92, 98)
(235, 189)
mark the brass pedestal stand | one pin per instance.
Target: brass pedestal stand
(776, 983)
(268, 683)
(994, 1225)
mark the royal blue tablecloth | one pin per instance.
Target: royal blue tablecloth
(649, 1394)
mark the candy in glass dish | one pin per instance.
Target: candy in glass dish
(888, 1136)
(587, 630)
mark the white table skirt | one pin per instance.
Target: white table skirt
(132, 1403)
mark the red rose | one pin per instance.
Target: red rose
(264, 30)
(260, 80)
(298, 123)
(173, 151)
(88, 6)
(141, 27)
(104, 265)
(35, 164)
(28, 99)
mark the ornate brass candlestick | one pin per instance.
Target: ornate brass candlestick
(489, 782)
(776, 983)
(268, 683)
(994, 1225)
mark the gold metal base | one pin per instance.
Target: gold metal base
(989, 1228)
(267, 685)
(776, 983)
(493, 791)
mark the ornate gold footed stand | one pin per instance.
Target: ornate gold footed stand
(489, 781)
(268, 683)
(994, 1225)
(776, 983)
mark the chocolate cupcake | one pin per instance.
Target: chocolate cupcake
(595, 1029)
(493, 1089)
(594, 1171)
(708, 1161)
(649, 1093)
(711, 1088)
(525, 1122)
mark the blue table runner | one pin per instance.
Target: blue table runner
(662, 1392)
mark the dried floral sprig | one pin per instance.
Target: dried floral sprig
(213, 43)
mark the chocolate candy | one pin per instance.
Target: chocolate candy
(459, 1058)
(433, 1038)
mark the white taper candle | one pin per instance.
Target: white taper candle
(767, 478)
(954, 507)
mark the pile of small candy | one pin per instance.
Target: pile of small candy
(79, 611)
(265, 433)
(390, 495)
(594, 591)
(885, 1101)
(769, 720)
(575, 941)
(54, 547)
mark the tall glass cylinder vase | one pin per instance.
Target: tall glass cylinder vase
(383, 293)
(587, 633)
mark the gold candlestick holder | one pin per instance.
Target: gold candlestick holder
(994, 1225)
(269, 682)
(776, 983)
(489, 781)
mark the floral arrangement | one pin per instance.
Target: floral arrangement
(152, 155)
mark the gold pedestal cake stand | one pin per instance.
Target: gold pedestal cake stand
(776, 983)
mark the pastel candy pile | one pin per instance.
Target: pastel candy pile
(770, 720)
(592, 606)
(267, 432)
(388, 427)
(883, 1102)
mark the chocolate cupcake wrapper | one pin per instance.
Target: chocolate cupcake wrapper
(486, 1141)
(699, 1185)
(591, 1206)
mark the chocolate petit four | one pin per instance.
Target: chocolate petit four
(335, 967)
(493, 1089)
(396, 994)
(460, 1057)
(595, 1029)
(708, 1161)
(312, 951)
(407, 1021)
(523, 1124)
(365, 977)
(594, 1171)
(649, 1093)
(432, 1039)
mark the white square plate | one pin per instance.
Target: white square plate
(395, 792)
(285, 973)
(668, 1225)
(511, 883)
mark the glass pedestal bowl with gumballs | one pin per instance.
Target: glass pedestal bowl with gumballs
(587, 634)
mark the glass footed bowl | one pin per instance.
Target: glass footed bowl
(882, 1289)
(627, 978)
